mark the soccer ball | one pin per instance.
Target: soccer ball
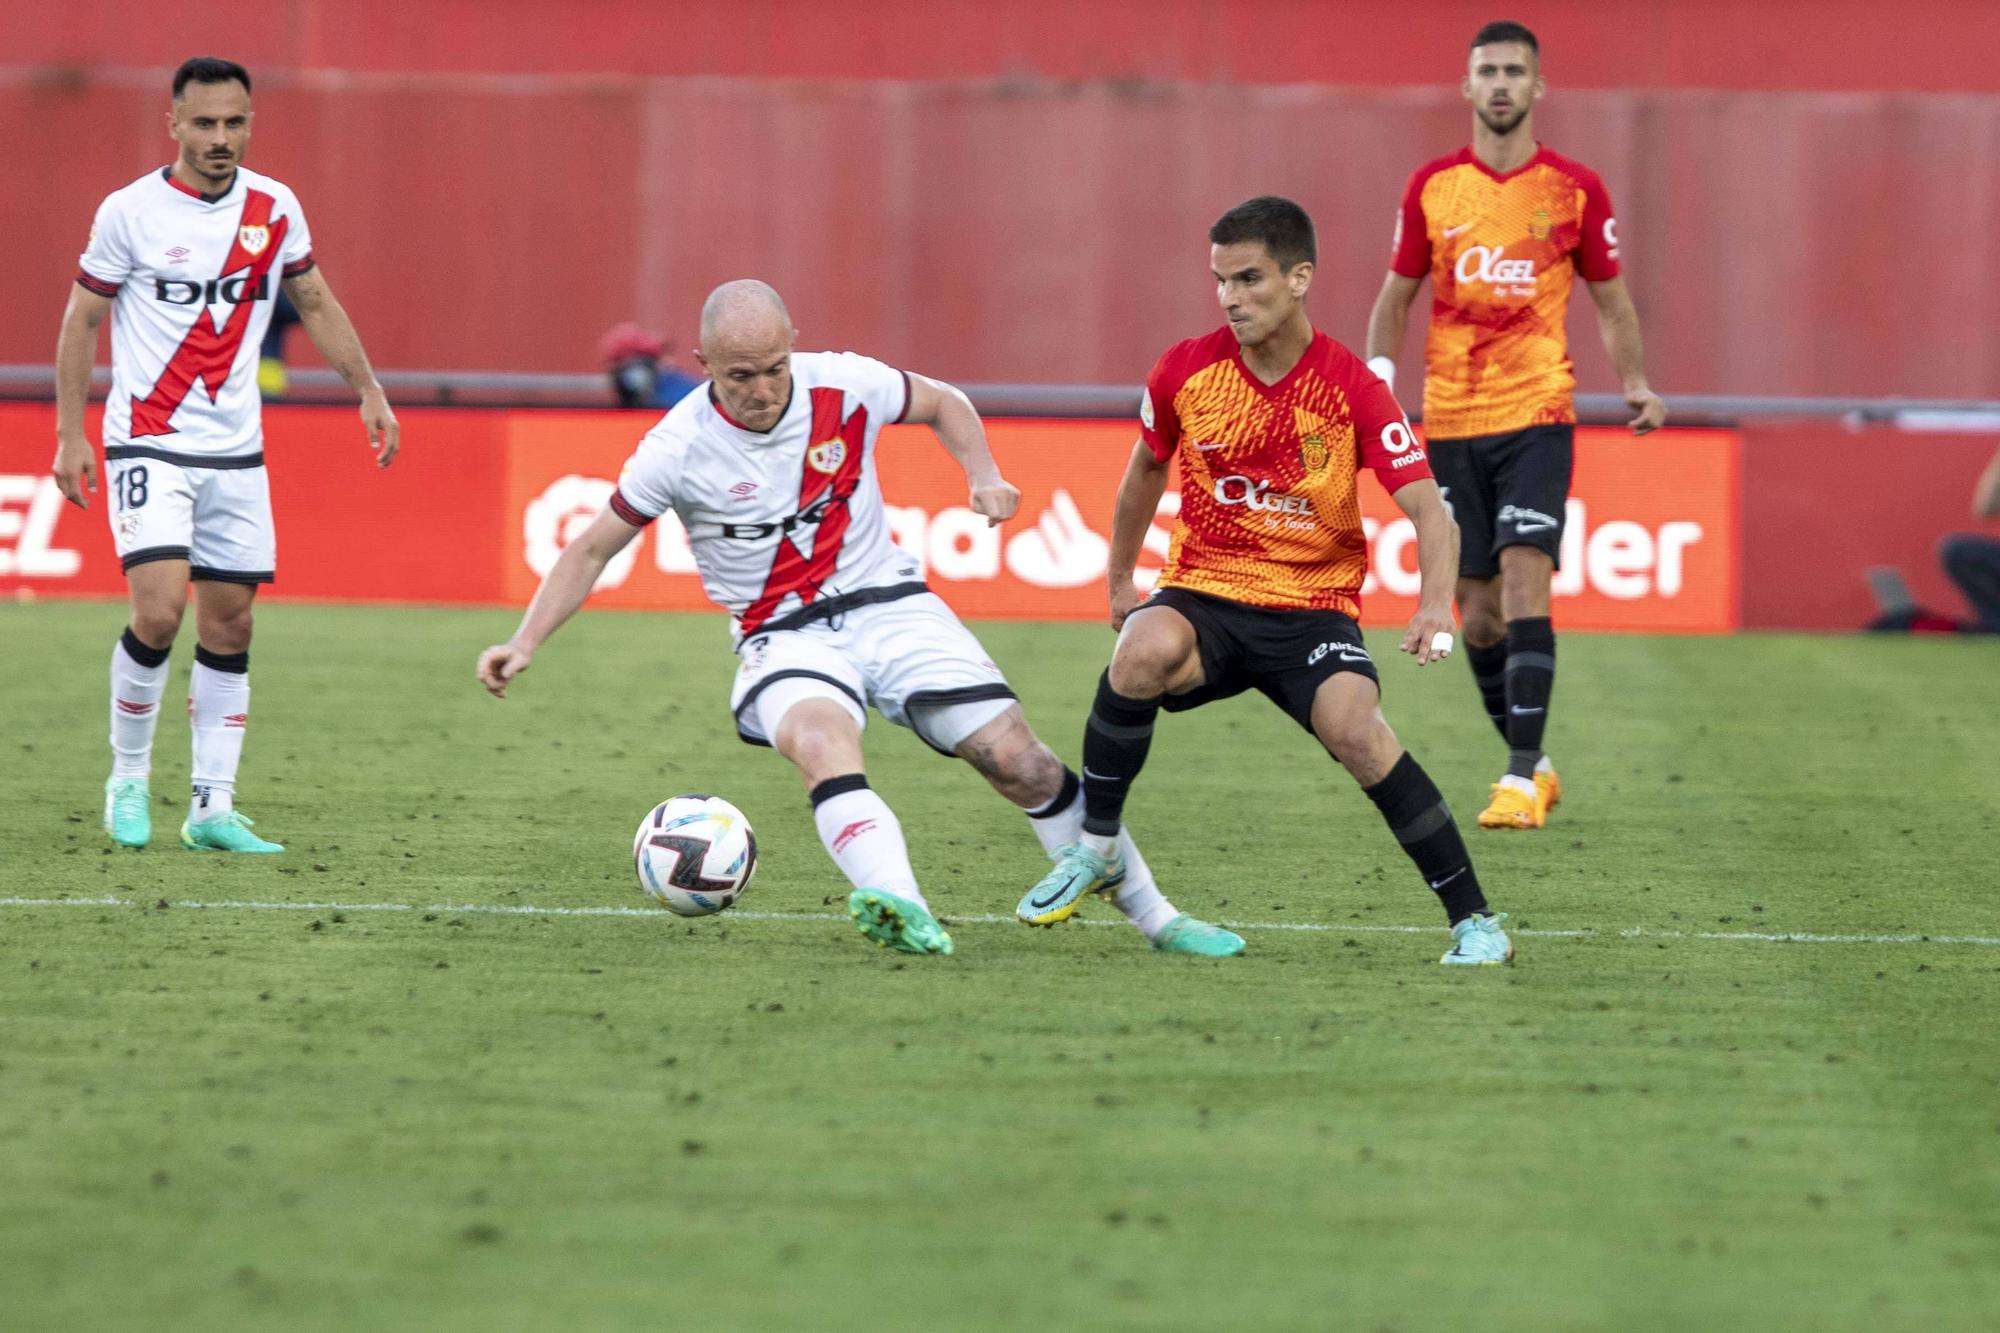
(695, 854)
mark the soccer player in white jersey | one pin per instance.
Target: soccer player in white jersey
(771, 467)
(187, 260)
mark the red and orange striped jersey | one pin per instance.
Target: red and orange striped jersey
(1270, 508)
(1501, 252)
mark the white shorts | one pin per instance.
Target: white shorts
(911, 659)
(218, 519)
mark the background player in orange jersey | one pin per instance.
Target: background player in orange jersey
(1272, 422)
(1500, 228)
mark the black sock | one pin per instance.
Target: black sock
(840, 786)
(145, 654)
(1489, 673)
(1416, 813)
(1114, 750)
(1531, 677)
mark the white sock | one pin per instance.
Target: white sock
(1543, 765)
(135, 712)
(865, 839)
(1522, 785)
(219, 706)
(1139, 897)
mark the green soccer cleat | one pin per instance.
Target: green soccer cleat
(1478, 941)
(1186, 935)
(226, 832)
(1078, 871)
(894, 922)
(128, 815)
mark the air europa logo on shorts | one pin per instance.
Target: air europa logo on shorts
(1257, 495)
(1479, 263)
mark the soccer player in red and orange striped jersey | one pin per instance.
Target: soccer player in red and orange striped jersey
(1272, 422)
(1502, 228)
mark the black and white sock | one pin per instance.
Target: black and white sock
(1115, 743)
(1416, 813)
(138, 679)
(1531, 678)
(1060, 823)
(219, 707)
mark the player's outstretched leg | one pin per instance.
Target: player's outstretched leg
(865, 839)
(219, 704)
(1115, 744)
(138, 679)
(1347, 719)
(1059, 823)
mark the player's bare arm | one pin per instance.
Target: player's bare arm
(564, 588)
(1139, 493)
(1387, 322)
(953, 419)
(75, 467)
(1618, 322)
(1437, 566)
(327, 324)
(1986, 492)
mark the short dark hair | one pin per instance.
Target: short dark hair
(209, 69)
(1506, 30)
(1281, 225)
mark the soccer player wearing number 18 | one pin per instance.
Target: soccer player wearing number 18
(1273, 422)
(187, 260)
(1502, 228)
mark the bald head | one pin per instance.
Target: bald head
(744, 313)
(746, 347)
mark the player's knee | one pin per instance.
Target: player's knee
(1146, 667)
(227, 631)
(156, 623)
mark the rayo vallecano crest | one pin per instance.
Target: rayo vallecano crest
(827, 455)
(252, 240)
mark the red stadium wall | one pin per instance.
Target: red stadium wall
(1745, 44)
(1011, 207)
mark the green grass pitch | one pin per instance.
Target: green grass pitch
(345, 1117)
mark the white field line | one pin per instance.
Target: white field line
(955, 919)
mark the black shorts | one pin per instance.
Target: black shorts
(1505, 490)
(1285, 655)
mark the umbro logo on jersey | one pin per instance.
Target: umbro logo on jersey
(178, 255)
(228, 291)
(743, 490)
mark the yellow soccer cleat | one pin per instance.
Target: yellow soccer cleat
(1548, 793)
(1511, 808)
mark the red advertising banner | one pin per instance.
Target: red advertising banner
(481, 503)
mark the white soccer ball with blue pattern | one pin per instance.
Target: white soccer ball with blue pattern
(695, 854)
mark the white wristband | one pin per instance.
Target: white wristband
(1384, 367)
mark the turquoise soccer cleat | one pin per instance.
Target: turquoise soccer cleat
(1078, 871)
(226, 832)
(1478, 941)
(1186, 935)
(128, 815)
(894, 922)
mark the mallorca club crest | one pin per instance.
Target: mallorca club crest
(1313, 452)
(1540, 224)
(252, 239)
(827, 455)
